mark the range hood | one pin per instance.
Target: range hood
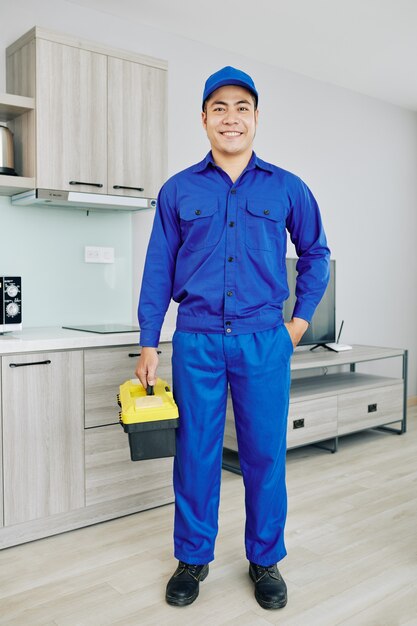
(80, 200)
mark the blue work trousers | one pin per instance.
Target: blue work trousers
(257, 368)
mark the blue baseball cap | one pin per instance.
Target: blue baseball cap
(229, 76)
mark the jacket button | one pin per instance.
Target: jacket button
(266, 212)
(230, 259)
(197, 212)
(230, 293)
(231, 224)
(228, 330)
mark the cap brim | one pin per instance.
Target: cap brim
(229, 81)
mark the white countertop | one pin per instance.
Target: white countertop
(55, 338)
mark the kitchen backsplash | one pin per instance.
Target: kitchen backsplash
(46, 248)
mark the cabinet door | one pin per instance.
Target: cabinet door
(71, 118)
(43, 435)
(105, 370)
(111, 475)
(137, 136)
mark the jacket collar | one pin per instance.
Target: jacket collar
(255, 161)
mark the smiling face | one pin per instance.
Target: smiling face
(230, 120)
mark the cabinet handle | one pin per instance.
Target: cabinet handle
(77, 182)
(132, 188)
(47, 362)
(133, 354)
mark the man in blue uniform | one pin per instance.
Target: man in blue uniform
(218, 248)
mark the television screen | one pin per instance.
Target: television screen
(323, 325)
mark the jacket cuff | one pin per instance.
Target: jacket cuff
(149, 338)
(305, 310)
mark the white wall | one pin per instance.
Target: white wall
(359, 156)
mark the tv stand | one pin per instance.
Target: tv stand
(327, 405)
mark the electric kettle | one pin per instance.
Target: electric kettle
(6, 151)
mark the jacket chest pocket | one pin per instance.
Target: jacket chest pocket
(264, 224)
(200, 225)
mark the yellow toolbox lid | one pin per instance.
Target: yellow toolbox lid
(136, 406)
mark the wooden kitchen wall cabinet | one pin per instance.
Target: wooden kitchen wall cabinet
(137, 128)
(71, 113)
(100, 119)
(43, 435)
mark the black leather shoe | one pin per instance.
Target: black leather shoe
(270, 588)
(183, 586)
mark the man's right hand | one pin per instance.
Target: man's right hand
(147, 366)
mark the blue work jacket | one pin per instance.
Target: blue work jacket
(218, 249)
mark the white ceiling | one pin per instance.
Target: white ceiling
(369, 46)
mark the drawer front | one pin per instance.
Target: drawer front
(105, 369)
(110, 474)
(308, 421)
(368, 408)
(311, 420)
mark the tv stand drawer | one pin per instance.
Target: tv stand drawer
(311, 420)
(369, 408)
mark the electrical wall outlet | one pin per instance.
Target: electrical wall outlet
(96, 254)
(91, 254)
(107, 255)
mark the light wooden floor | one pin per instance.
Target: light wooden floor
(351, 540)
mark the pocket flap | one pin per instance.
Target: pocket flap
(267, 209)
(196, 211)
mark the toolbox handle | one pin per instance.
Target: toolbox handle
(150, 391)
(134, 354)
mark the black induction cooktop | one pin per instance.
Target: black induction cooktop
(104, 329)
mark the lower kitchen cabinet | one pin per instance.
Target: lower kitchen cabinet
(43, 435)
(66, 459)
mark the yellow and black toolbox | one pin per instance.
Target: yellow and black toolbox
(150, 417)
